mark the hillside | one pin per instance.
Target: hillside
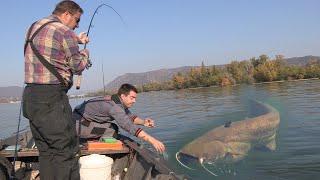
(301, 61)
(11, 91)
(10, 94)
(163, 75)
(159, 76)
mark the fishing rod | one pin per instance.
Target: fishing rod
(104, 87)
(89, 64)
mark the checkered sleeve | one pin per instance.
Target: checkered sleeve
(76, 61)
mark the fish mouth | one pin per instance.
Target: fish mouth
(186, 160)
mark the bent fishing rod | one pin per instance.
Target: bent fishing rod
(89, 64)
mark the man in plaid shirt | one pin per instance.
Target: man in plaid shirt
(52, 56)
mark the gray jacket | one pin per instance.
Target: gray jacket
(107, 109)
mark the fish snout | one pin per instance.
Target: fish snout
(186, 160)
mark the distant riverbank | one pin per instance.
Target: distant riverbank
(9, 100)
(255, 70)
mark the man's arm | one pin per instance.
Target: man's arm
(77, 60)
(124, 122)
(148, 122)
(155, 143)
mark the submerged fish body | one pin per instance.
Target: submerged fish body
(233, 142)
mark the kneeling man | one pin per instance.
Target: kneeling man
(96, 116)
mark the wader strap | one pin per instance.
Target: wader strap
(83, 120)
(44, 62)
(27, 40)
(115, 98)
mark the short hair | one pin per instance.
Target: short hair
(65, 6)
(126, 88)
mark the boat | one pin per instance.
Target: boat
(133, 161)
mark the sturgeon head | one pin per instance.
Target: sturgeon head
(198, 152)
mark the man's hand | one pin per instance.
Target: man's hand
(85, 52)
(157, 145)
(83, 38)
(148, 123)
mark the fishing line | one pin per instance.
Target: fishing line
(17, 135)
(201, 162)
(104, 87)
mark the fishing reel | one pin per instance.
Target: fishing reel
(89, 64)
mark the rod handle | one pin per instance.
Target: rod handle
(78, 82)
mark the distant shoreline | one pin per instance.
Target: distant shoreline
(262, 82)
(7, 101)
(10, 100)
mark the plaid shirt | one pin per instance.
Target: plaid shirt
(58, 44)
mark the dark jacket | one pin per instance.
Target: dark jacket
(108, 109)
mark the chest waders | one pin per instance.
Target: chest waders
(85, 122)
(45, 63)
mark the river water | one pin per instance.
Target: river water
(184, 115)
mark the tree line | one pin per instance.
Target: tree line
(254, 70)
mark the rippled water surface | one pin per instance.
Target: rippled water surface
(184, 115)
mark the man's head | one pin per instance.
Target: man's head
(69, 13)
(128, 94)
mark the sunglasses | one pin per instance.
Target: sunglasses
(76, 18)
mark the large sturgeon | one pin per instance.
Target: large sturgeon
(233, 141)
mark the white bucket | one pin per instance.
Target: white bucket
(95, 166)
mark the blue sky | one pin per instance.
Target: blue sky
(169, 33)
